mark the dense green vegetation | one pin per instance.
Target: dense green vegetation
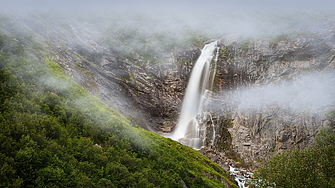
(312, 167)
(54, 134)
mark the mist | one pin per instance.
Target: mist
(212, 19)
(173, 4)
(309, 93)
(155, 28)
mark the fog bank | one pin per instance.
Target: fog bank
(310, 93)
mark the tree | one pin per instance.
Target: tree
(310, 167)
(326, 137)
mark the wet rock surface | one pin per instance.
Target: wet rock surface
(150, 94)
(257, 134)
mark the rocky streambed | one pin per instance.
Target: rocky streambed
(241, 176)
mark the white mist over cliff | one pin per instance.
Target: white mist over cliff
(309, 93)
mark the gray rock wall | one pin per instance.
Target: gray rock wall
(258, 133)
(150, 95)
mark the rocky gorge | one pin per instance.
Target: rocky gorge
(149, 93)
(156, 92)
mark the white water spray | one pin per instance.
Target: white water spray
(241, 176)
(188, 131)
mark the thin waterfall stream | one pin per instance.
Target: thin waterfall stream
(188, 131)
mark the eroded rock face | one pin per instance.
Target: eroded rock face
(259, 133)
(158, 89)
(155, 92)
(151, 95)
(255, 136)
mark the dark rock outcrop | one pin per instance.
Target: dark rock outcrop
(257, 134)
(150, 95)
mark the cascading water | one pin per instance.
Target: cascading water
(241, 176)
(188, 131)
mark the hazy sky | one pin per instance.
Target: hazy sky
(212, 18)
(167, 5)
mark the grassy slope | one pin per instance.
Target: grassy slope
(50, 125)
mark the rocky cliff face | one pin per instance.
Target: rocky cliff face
(256, 134)
(150, 95)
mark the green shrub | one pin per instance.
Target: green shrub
(326, 137)
(311, 167)
(54, 134)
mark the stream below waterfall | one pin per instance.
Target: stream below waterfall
(241, 176)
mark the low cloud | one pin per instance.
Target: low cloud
(310, 93)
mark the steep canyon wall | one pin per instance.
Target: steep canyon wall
(150, 94)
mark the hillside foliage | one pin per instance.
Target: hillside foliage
(311, 167)
(54, 134)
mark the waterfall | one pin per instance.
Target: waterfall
(188, 131)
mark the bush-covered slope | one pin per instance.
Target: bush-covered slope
(310, 167)
(54, 134)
